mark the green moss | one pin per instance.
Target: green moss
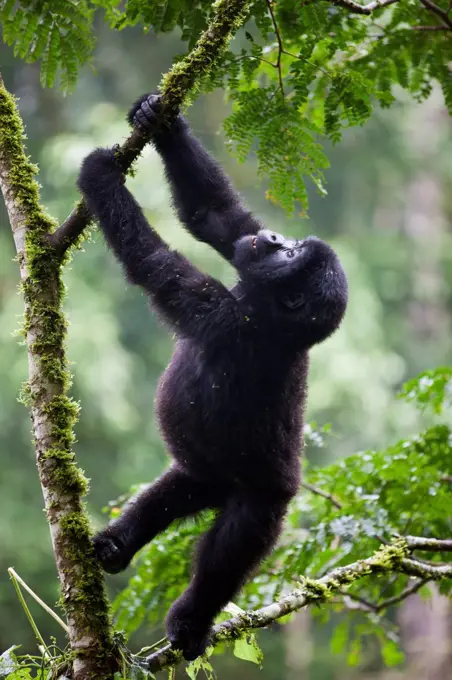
(186, 77)
(75, 546)
(314, 590)
(388, 556)
(21, 173)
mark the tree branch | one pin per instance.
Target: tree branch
(443, 14)
(389, 558)
(324, 494)
(228, 16)
(53, 412)
(280, 45)
(376, 607)
(356, 8)
(429, 544)
(402, 596)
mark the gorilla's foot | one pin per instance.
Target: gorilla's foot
(187, 630)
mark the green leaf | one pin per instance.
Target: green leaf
(391, 653)
(200, 664)
(355, 651)
(339, 638)
(246, 648)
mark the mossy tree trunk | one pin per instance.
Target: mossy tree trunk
(53, 412)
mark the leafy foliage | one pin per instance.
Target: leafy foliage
(56, 32)
(302, 70)
(367, 498)
(432, 389)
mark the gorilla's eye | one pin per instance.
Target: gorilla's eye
(290, 253)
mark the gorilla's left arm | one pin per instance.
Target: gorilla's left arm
(188, 300)
(206, 202)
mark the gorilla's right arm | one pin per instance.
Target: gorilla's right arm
(191, 302)
(206, 202)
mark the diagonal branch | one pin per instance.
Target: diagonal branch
(377, 607)
(324, 494)
(443, 14)
(402, 596)
(389, 558)
(228, 16)
(356, 8)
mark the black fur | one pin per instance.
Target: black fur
(230, 402)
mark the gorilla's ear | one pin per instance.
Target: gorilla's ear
(293, 301)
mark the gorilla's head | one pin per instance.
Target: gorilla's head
(304, 279)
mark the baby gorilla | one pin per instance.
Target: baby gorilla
(230, 403)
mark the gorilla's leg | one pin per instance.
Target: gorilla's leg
(172, 496)
(243, 533)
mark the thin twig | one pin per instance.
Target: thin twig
(319, 492)
(336, 503)
(280, 45)
(377, 607)
(15, 575)
(443, 14)
(364, 604)
(402, 596)
(252, 57)
(27, 611)
(300, 57)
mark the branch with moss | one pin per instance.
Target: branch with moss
(393, 558)
(175, 87)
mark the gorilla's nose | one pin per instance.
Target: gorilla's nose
(270, 240)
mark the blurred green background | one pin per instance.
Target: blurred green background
(388, 214)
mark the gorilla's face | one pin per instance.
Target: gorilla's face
(268, 255)
(305, 278)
